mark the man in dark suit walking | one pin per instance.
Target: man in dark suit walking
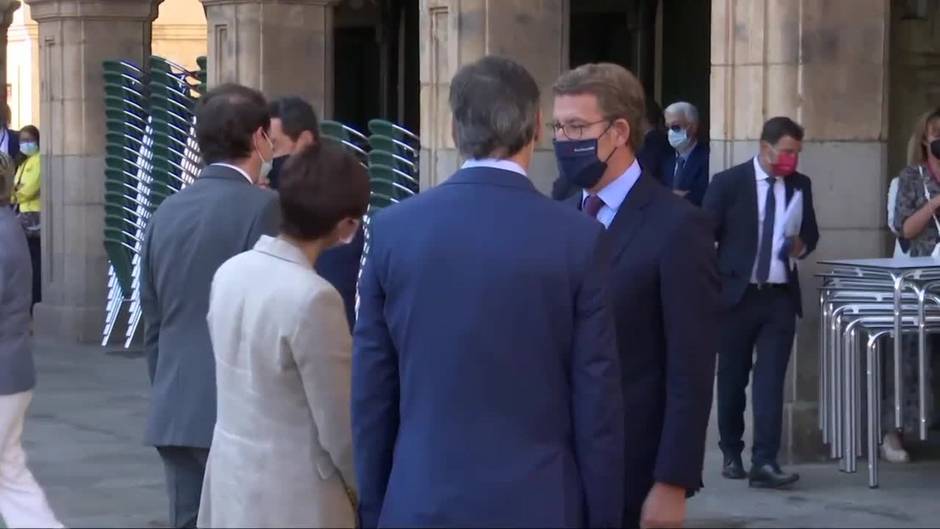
(485, 387)
(664, 286)
(295, 126)
(190, 235)
(760, 294)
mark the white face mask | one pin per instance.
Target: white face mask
(266, 165)
(349, 238)
(678, 139)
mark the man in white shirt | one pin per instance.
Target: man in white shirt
(760, 293)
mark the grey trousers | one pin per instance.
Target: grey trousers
(185, 467)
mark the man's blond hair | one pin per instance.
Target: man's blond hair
(619, 94)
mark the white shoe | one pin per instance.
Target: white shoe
(892, 450)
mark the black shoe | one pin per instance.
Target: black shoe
(769, 476)
(733, 468)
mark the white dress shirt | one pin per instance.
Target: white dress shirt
(5, 141)
(615, 193)
(239, 169)
(778, 268)
(493, 163)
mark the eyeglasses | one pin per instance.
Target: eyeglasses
(575, 132)
(676, 128)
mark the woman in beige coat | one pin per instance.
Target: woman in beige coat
(281, 453)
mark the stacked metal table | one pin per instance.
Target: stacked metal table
(879, 300)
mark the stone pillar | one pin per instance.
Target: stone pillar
(824, 64)
(7, 7)
(457, 32)
(279, 47)
(75, 36)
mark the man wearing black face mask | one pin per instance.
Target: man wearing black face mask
(294, 126)
(664, 287)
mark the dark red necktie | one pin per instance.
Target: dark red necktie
(593, 204)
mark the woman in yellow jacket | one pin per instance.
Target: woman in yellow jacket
(26, 198)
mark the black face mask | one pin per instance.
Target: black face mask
(276, 165)
(935, 148)
(578, 162)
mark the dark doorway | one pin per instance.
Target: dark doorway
(376, 63)
(625, 32)
(686, 55)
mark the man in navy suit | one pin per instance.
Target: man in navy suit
(664, 285)
(760, 294)
(686, 172)
(486, 383)
(294, 127)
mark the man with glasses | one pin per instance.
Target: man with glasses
(485, 380)
(687, 171)
(664, 288)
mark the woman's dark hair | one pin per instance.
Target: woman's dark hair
(32, 131)
(226, 118)
(320, 186)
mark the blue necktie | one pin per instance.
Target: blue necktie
(767, 235)
(680, 165)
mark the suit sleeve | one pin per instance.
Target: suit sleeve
(322, 349)
(809, 230)
(268, 222)
(689, 286)
(713, 204)
(375, 390)
(149, 305)
(597, 397)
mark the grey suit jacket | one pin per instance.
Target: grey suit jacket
(17, 373)
(190, 235)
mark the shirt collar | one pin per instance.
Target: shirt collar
(616, 192)
(277, 247)
(759, 174)
(239, 169)
(493, 163)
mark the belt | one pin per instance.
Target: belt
(767, 286)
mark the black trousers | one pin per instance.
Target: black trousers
(764, 320)
(35, 255)
(185, 468)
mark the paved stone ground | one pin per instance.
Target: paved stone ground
(84, 440)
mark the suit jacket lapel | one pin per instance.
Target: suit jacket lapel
(750, 202)
(629, 217)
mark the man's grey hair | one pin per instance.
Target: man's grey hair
(684, 108)
(495, 104)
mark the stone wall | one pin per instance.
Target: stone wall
(458, 32)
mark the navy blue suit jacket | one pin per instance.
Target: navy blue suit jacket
(340, 266)
(732, 202)
(486, 381)
(693, 177)
(664, 286)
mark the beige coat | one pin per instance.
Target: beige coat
(281, 453)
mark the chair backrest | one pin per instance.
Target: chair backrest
(387, 128)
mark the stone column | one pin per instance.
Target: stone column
(824, 64)
(276, 46)
(7, 7)
(457, 32)
(75, 36)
